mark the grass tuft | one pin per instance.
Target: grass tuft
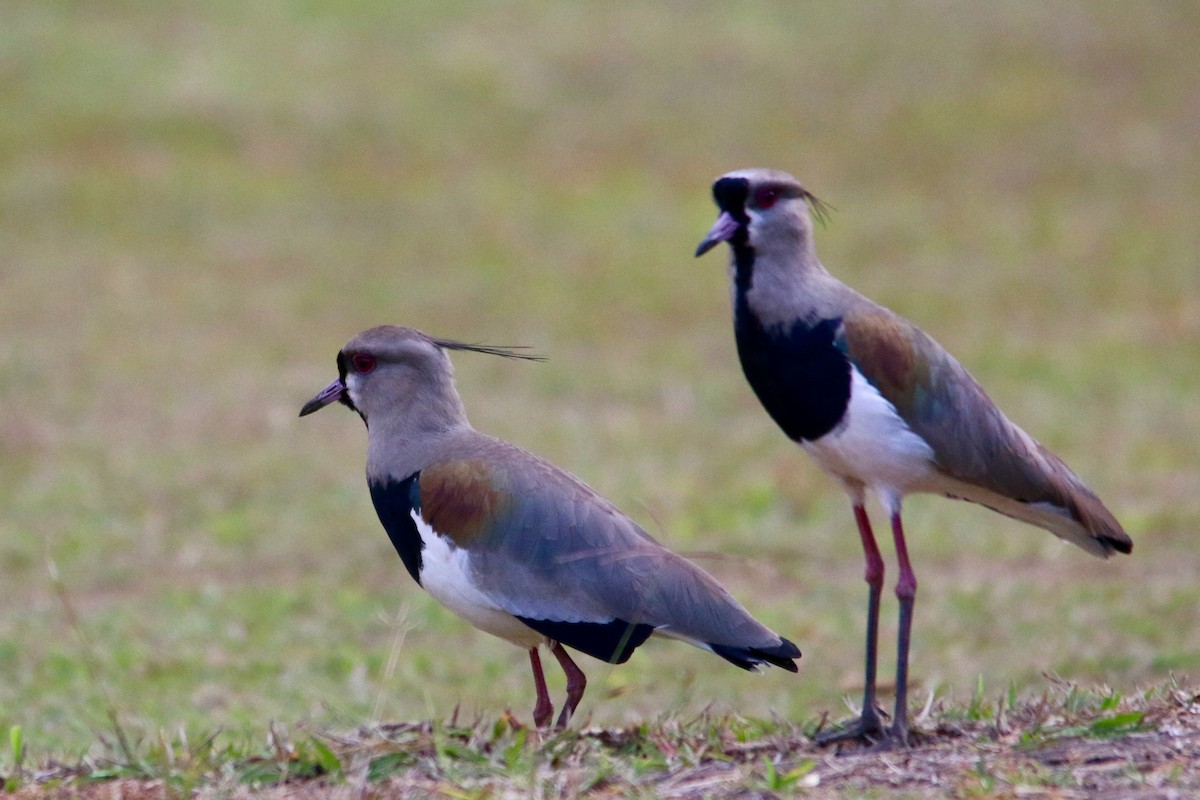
(1066, 735)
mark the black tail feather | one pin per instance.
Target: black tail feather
(783, 655)
(1120, 545)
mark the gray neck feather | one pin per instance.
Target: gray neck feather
(407, 434)
(789, 283)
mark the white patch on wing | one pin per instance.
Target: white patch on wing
(873, 446)
(446, 574)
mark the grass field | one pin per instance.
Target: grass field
(199, 204)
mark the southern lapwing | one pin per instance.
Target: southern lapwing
(879, 405)
(512, 544)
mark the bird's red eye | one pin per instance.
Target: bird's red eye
(766, 197)
(363, 363)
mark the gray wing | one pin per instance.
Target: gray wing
(544, 546)
(973, 442)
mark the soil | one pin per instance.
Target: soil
(1143, 748)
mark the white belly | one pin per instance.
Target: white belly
(873, 447)
(445, 574)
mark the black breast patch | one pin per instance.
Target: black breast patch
(394, 503)
(798, 372)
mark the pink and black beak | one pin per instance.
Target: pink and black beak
(330, 394)
(722, 230)
(334, 392)
(730, 194)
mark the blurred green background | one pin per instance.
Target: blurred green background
(199, 204)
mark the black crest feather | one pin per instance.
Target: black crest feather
(504, 351)
(821, 210)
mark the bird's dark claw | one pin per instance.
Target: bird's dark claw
(867, 729)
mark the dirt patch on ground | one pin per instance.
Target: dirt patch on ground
(1062, 745)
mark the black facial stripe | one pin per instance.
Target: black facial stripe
(743, 256)
(344, 398)
(731, 195)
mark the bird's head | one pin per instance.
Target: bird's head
(763, 210)
(400, 375)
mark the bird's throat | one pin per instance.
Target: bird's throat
(743, 264)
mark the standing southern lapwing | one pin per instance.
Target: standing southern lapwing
(878, 404)
(512, 544)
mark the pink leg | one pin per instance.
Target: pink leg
(906, 592)
(544, 709)
(868, 726)
(874, 577)
(576, 683)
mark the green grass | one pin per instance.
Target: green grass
(200, 204)
(1093, 741)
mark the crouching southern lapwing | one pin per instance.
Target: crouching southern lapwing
(512, 544)
(879, 405)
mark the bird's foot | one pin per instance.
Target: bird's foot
(867, 730)
(894, 739)
(542, 714)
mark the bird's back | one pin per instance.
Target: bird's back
(546, 546)
(979, 454)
